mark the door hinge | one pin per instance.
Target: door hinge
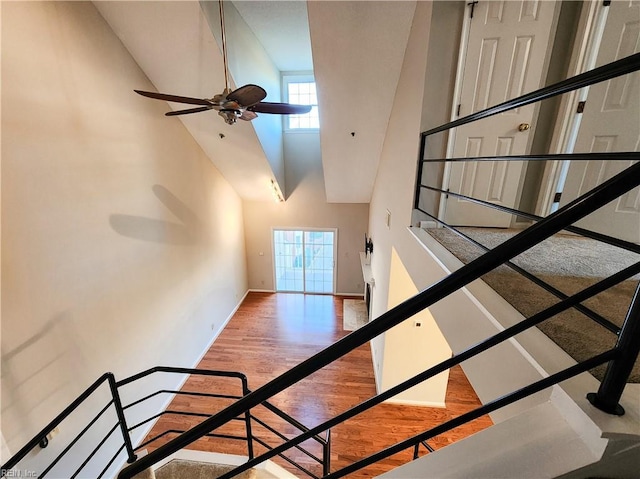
(581, 105)
(458, 110)
(473, 7)
(556, 197)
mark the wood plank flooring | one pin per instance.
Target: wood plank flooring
(269, 334)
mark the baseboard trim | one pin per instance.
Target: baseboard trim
(375, 369)
(252, 290)
(359, 295)
(403, 402)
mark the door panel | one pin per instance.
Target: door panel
(611, 122)
(288, 260)
(319, 261)
(506, 57)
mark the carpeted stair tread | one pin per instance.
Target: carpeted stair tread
(568, 263)
(146, 474)
(181, 469)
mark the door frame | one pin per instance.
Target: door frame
(591, 23)
(303, 229)
(457, 91)
(460, 67)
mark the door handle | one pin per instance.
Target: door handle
(523, 126)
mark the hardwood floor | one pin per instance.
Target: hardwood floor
(269, 334)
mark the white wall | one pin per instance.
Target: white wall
(393, 190)
(412, 346)
(122, 245)
(306, 207)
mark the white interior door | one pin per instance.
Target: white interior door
(611, 122)
(508, 46)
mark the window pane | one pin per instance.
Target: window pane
(303, 93)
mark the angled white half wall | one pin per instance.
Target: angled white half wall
(412, 346)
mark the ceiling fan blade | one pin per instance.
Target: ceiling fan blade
(280, 108)
(247, 95)
(190, 110)
(175, 98)
(248, 115)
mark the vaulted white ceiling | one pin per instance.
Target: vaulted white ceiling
(358, 49)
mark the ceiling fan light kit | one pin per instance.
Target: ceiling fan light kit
(244, 103)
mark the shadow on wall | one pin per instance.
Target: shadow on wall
(35, 374)
(187, 232)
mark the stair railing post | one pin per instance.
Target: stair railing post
(247, 419)
(416, 198)
(117, 403)
(326, 455)
(416, 451)
(618, 370)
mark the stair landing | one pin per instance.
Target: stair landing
(190, 464)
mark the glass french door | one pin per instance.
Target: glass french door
(304, 260)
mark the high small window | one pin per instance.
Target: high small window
(301, 91)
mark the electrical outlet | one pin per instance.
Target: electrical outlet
(417, 324)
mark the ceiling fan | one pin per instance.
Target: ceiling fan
(243, 103)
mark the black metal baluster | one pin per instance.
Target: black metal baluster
(619, 369)
(121, 419)
(326, 451)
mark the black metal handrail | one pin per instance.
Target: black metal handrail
(248, 416)
(121, 423)
(244, 385)
(41, 437)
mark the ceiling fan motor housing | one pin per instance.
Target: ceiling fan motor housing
(230, 116)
